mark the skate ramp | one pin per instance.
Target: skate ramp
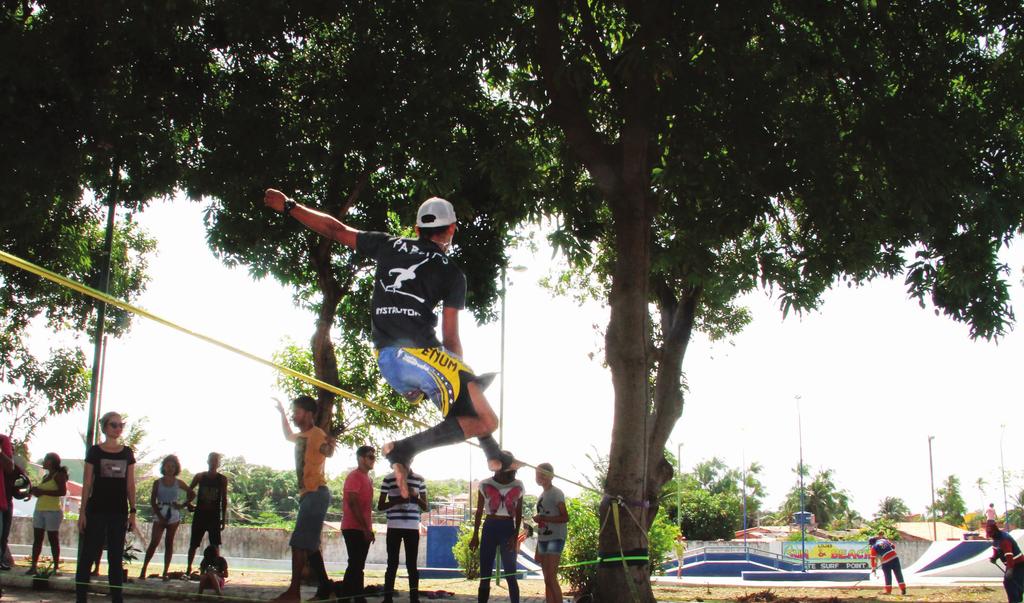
(959, 559)
(726, 561)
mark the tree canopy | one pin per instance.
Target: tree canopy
(97, 108)
(784, 145)
(360, 110)
(822, 497)
(892, 508)
(950, 506)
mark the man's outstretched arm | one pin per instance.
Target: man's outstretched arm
(317, 221)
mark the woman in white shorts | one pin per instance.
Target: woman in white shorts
(48, 514)
(552, 520)
(167, 505)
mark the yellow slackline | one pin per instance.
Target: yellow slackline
(622, 554)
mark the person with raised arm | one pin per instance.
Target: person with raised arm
(312, 447)
(412, 277)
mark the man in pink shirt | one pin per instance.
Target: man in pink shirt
(357, 522)
(7, 470)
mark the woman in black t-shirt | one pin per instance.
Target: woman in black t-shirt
(108, 506)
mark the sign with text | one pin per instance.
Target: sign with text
(829, 555)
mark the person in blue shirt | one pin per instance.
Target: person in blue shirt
(884, 552)
(1006, 549)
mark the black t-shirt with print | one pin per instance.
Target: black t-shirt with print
(209, 497)
(412, 276)
(110, 479)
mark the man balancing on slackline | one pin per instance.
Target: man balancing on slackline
(412, 277)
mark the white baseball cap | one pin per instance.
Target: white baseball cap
(435, 211)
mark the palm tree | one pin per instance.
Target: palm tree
(980, 484)
(892, 508)
(821, 497)
(1015, 516)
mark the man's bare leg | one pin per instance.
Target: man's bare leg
(485, 422)
(450, 431)
(483, 425)
(298, 564)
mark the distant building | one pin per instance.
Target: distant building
(763, 534)
(922, 531)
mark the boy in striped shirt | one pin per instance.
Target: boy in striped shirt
(403, 527)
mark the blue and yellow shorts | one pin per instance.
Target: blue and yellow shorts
(430, 372)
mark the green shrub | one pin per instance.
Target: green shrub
(468, 560)
(661, 539)
(886, 526)
(706, 516)
(581, 542)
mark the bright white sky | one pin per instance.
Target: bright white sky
(876, 373)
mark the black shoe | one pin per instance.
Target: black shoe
(4, 567)
(484, 381)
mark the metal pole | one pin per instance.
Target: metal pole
(803, 517)
(471, 492)
(1002, 475)
(501, 387)
(931, 473)
(679, 486)
(101, 312)
(103, 377)
(743, 460)
(103, 284)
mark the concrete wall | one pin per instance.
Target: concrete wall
(254, 543)
(272, 543)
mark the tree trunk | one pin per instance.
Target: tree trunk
(637, 468)
(626, 344)
(325, 363)
(643, 420)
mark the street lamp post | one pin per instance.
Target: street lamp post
(931, 473)
(803, 516)
(501, 386)
(1002, 474)
(679, 485)
(743, 460)
(103, 284)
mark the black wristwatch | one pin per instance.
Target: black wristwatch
(289, 205)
